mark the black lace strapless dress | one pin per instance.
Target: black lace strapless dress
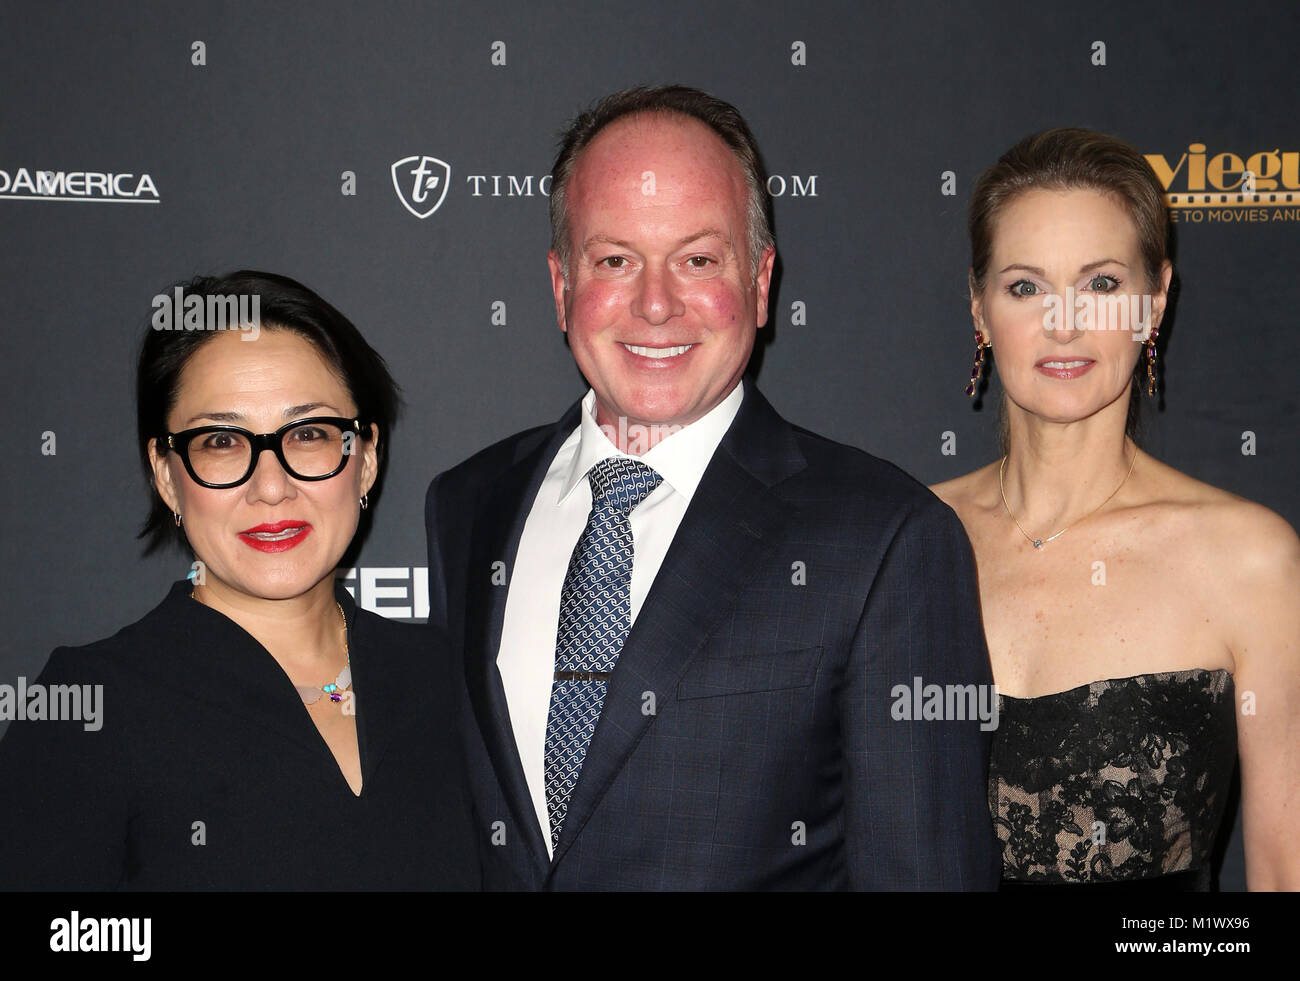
(1118, 783)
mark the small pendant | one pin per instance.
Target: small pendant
(1038, 543)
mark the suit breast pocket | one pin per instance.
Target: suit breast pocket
(740, 674)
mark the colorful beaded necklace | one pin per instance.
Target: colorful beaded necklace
(340, 684)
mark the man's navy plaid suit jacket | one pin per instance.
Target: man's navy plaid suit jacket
(807, 579)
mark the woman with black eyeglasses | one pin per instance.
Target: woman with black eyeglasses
(257, 730)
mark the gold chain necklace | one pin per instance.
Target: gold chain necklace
(340, 684)
(1040, 542)
(311, 695)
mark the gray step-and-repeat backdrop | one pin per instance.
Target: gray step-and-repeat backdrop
(141, 144)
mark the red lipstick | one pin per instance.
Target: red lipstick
(277, 536)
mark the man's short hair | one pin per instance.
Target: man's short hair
(721, 117)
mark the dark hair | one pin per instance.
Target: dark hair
(283, 304)
(721, 117)
(1066, 159)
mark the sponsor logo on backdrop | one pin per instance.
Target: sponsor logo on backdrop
(792, 186)
(529, 185)
(25, 184)
(399, 593)
(1223, 187)
(421, 184)
(507, 185)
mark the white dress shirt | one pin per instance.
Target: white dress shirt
(526, 658)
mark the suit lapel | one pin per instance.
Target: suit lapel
(498, 526)
(731, 521)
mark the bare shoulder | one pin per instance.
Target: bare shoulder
(967, 493)
(1257, 542)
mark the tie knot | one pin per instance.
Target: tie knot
(620, 483)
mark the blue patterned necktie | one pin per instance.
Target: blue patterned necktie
(595, 617)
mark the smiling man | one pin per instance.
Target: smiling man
(655, 278)
(683, 617)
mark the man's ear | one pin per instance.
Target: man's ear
(163, 481)
(764, 282)
(557, 287)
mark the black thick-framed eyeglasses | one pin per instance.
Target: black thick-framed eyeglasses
(226, 456)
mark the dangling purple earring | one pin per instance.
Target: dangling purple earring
(978, 369)
(1151, 362)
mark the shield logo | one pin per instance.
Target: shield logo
(421, 184)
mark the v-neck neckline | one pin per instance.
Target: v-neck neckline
(182, 591)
